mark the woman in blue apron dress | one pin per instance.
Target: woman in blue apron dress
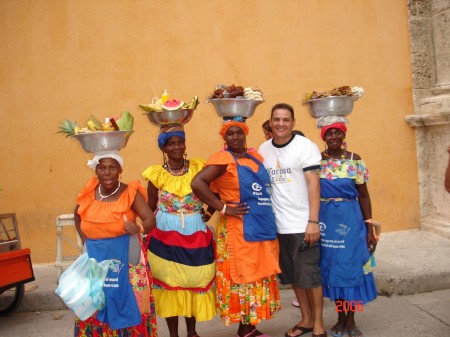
(235, 183)
(347, 239)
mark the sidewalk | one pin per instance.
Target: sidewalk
(408, 262)
(426, 314)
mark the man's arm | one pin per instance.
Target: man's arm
(312, 233)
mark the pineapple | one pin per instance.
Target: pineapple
(68, 127)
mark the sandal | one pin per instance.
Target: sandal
(321, 335)
(338, 331)
(298, 328)
(260, 334)
(250, 334)
(354, 332)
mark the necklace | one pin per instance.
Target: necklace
(107, 196)
(238, 154)
(171, 171)
(343, 155)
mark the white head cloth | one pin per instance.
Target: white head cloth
(324, 121)
(105, 154)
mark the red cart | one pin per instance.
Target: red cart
(15, 265)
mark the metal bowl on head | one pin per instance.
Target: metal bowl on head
(331, 106)
(103, 140)
(233, 107)
(170, 117)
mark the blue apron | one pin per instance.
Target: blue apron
(343, 235)
(259, 222)
(121, 309)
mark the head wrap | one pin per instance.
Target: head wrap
(105, 154)
(236, 121)
(169, 131)
(331, 122)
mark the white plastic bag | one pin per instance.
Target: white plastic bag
(81, 286)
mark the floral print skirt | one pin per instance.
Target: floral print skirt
(246, 303)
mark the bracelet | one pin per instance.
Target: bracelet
(369, 221)
(223, 209)
(141, 228)
(207, 213)
(312, 221)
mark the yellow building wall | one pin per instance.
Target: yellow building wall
(69, 59)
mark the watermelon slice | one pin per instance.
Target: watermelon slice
(172, 104)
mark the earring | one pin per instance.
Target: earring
(344, 144)
(185, 155)
(164, 159)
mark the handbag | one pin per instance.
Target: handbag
(140, 280)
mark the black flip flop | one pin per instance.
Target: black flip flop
(298, 328)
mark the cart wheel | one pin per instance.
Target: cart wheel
(10, 299)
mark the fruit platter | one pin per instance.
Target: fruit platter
(96, 136)
(232, 101)
(163, 111)
(335, 102)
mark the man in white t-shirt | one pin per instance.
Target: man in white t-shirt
(293, 164)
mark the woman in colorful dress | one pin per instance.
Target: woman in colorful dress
(181, 251)
(347, 237)
(234, 182)
(105, 218)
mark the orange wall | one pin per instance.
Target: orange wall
(69, 59)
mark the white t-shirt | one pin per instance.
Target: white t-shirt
(286, 165)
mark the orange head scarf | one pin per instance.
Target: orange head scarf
(228, 124)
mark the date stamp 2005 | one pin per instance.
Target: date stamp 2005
(344, 306)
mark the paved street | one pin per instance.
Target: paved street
(425, 314)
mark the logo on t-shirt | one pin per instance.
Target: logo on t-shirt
(279, 175)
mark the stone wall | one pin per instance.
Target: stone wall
(429, 22)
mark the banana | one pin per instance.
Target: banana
(98, 124)
(91, 126)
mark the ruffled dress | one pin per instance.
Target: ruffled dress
(104, 220)
(181, 249)
(345, 261)
(246, 277)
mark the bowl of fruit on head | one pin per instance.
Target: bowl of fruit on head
(96, 136)
(165, 111)
(234, 101)
(335, 102)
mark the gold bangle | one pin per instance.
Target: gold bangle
(207, 213)
(313, 221)
(369, 221)
(141, 228)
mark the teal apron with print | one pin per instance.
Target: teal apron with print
(259, 222)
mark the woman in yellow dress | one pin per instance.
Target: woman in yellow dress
(181, 252)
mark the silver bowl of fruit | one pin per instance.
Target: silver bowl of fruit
(103, 140)
(233, 107)
(330, 106)
(170, 117)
